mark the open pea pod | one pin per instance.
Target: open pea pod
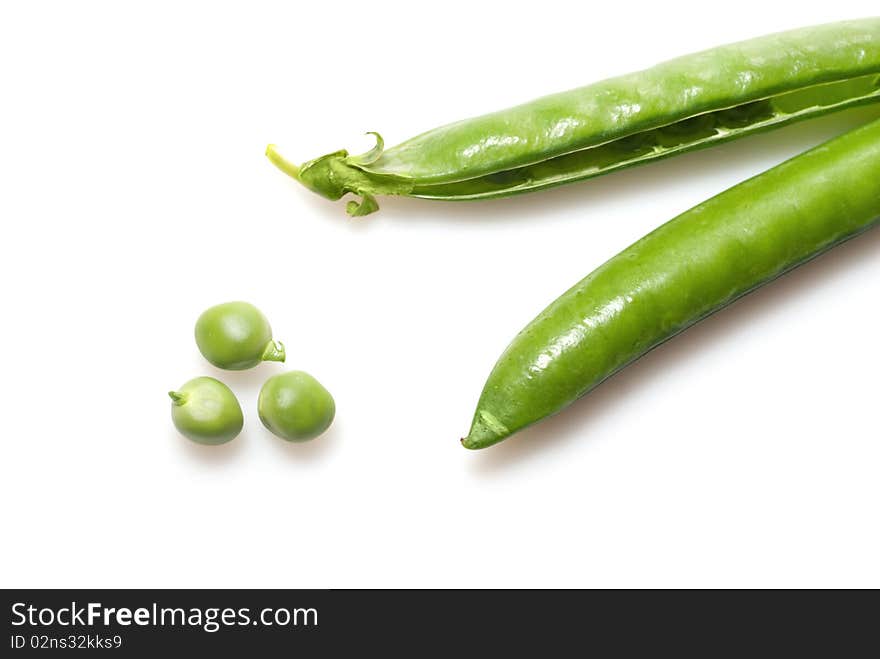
(688, 103)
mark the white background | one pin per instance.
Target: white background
(135, 193)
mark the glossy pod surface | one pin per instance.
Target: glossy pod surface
(684, 104)
(683, 271)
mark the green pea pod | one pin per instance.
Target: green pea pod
(688, 103)
(685, 270)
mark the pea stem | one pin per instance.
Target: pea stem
(177, 398)
(274, 352)
(281, 162)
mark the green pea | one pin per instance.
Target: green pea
(236, 336)
(295, 406)
(688, 103)
(206, 411)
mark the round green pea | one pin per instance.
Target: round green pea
(206, 411)
(295, 406)
(236, 336)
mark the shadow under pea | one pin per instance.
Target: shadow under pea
(207, 454)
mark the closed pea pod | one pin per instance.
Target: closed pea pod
(689, 103)
(688, 268)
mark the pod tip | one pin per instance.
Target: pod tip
(486, 430)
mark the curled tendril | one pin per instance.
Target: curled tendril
(370, 156)
(367, 205)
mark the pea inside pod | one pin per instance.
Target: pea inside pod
(236, 336)
(689, 103)
(685, 270)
